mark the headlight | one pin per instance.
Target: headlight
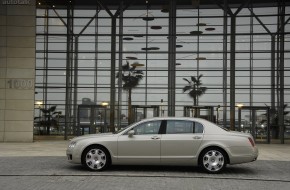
(72, 144)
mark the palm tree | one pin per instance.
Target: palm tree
(131, 79)
(48, 118)
(194, 88)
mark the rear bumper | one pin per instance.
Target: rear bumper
(248, 155)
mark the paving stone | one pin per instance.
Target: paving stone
(43, 165)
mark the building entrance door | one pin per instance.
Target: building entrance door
(255, 120)
(92, 119)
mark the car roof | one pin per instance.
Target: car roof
(210, 127)
(175, 118)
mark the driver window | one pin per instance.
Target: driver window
(151, 127)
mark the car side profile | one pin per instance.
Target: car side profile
(165, 141)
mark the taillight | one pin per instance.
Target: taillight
(251, 141)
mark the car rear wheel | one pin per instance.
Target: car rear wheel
(213, 160)
(95, 158)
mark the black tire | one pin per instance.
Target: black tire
(213, 160)
(96, 158)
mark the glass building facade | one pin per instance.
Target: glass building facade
(242, 51)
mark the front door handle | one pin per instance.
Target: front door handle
(155, 137)
(196, 137)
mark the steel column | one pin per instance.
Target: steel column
(69, 47)
(268, 126)
(75, 82)
(96, 56)
(45, 59)
(272, 115)
(233, 72)
(253, 126)
(281, 35)
(251, 56)
(120, 65)
(146, 55)
(172, 58)
(113, 74)
(239, 118)
(225, 63)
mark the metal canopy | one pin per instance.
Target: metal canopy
(158, 4)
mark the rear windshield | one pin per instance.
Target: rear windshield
(226, 129)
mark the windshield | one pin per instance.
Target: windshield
(122, 129)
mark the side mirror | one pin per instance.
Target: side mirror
(131, 133)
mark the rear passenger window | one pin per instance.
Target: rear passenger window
(198, 128)
(183, 127)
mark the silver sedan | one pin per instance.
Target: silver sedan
(165, 141)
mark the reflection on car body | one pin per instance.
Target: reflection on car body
(165, 141)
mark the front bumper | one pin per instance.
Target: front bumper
(73, 156)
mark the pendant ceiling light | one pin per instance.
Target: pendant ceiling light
(196, 32)
(150, 48)
(131, 58)
(201, 24)
(137, 65)
(148, 16)
(156, 27)
(128, 38)
(209, 29)
(200, 58)
(154, 48)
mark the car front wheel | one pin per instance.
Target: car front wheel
(213, 160)
(95, 158)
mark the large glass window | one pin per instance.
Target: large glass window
(71, 69)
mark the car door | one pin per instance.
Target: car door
(181, 141)
(143, 147)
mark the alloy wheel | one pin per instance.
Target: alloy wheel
(213, 161)
(95, 159)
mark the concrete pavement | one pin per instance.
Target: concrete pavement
(42, 165)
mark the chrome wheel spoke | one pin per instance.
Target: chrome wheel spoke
(100, 164)
(206, 159)
(220, 158)
(89, 157)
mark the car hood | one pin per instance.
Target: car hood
(92, 136)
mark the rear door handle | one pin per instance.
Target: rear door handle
(155, 137)
(196, 137)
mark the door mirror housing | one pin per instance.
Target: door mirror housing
(131, 133)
